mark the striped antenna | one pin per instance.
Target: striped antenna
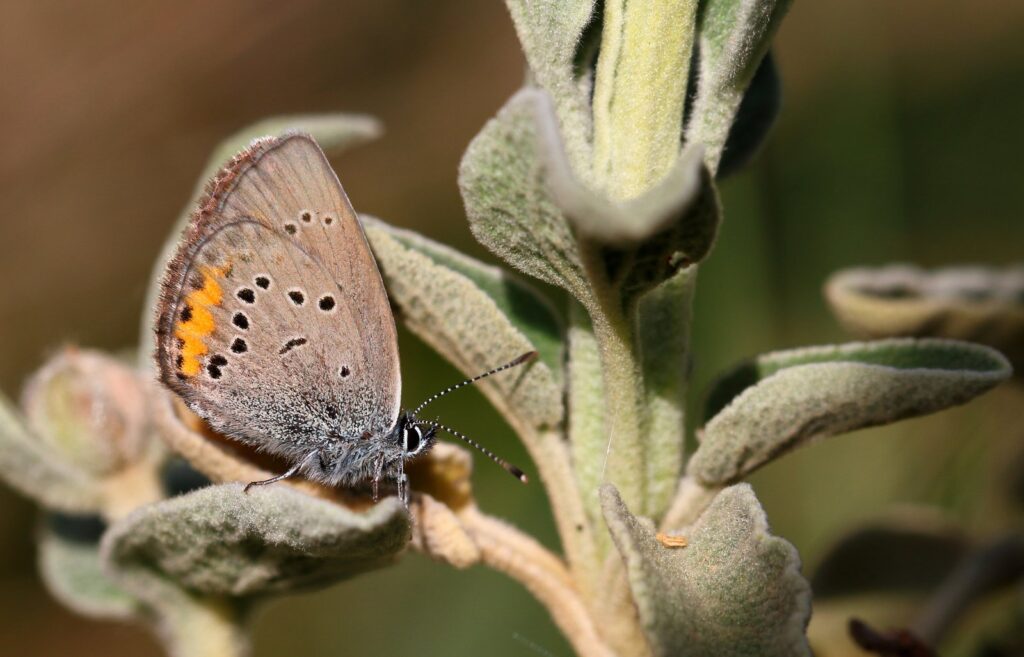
(505, 465)
(528, 356)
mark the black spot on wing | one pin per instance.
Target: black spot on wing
(291, 344)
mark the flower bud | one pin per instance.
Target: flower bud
(90, 409)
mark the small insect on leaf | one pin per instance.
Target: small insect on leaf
(672, 540)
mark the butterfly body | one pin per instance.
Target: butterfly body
(274, 326)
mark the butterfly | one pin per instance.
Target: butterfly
(273, 324)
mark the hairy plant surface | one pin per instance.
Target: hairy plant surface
(598, 177)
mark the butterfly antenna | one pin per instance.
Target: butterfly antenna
(505, 465)
(525, 358)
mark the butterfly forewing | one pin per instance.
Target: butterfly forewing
(274, 323)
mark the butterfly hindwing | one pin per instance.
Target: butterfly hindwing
(274, 323)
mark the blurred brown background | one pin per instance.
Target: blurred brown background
(900, 139)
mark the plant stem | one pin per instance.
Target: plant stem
(663, 341)
(207, 627)
(508, 550)
(619, 442)
(134, 486)
(692, 497)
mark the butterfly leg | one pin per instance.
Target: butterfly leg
(378, 473)
(291, 472)
(403, 488)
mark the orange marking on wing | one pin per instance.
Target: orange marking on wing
(200, 322)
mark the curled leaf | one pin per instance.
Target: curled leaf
(551, 32)
(734, 36)
(69, 562)
(47, 476)
(734, 590)
(334, 132)
(476, 316)
(444, 475)
(780, 401)
(439, 533)
(90, 408)
(611, 221)
(504, 187)
(978, 304)
(222, 541)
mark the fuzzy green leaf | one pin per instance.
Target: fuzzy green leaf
(40, 471)
(734, 591)
(504, 188)
(222, 541)
(663, 338)
(335, 133)
(783, 400)
(69, 562)
(633, 220)
(978, 304)
(734, 35)
(550, 32)
(476, 316)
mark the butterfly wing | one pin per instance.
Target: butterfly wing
(273, 319)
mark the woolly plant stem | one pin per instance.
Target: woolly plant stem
(519, 556)
(206, 628)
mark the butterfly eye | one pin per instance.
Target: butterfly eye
(413, 438)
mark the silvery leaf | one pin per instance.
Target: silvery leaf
(551, 32)
(734, 35)
(475, 315)
(780, 401)
(634, 220)
(221, 541)
(335, 132)
(733, 591)
(504, 188)
(522, 198)
(69, 562)
(979, 304)
(45, 475)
